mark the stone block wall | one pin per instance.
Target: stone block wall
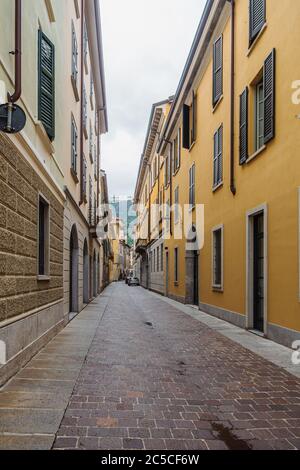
(20, 289)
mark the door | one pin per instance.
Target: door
(196, 279)
(258, 272)
(167, 273)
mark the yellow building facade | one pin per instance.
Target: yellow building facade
(236, 115)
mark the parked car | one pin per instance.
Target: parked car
(133, 281)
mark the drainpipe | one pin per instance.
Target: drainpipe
(98, 164)
(232, 110)
(17, 53)
(81, 102)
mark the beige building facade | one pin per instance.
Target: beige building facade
(49, 172)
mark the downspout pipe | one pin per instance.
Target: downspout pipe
(232, 109)
(17, 53)
(81, 102)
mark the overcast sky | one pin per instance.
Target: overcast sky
(146, 44)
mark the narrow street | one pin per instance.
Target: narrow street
(132, 371)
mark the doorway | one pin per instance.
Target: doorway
(167, 274)
(73, 282)
(85, 273)
(196, 278)
(257, 262)
(258, 272)
(94, 275)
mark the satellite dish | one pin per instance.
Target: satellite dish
(12, 118)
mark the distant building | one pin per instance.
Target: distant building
(123, 209)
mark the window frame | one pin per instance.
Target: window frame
(217, 156)
(215, 285)
(254, 33)
(74, 62)
(192, 178)
(74, 146)
(257, 117)
(176, 265)
(217, 97)
(45, 275)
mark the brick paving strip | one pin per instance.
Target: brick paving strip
(148, 376)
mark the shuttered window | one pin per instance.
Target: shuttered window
(186, 126)
(218, 156)
(257, 17)
(194, 119)
(84, 110)
(176, 201)
(74, 146)
(84, 179)
(269, 97)
(177, 151)
(217, 70)
(244, 126)
(74, 56)
(46, 81)
(192, 186)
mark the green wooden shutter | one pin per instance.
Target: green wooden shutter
(46, 84)
(186, 126)
(244, 126)
(269, 97)
(257, 17)
(217, 70)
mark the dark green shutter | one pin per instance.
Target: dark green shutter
(269, 97)
(186, 126)
(257, 17)
(244, 126)
(217, 70)
(194, 108)
(46, 84)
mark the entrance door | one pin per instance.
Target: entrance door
(196, 279)
(167, 273)
(258, 272)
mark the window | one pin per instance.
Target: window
(153, 261)
(91, 143)
(217, 257)
(177, 151)
(217, 70)
(168, 167)
(161, 257)
(192, 187)
(157, 259)
(85, 46)
(74, 143)
(176, 265)
(84, 111)
(74, 62)
(90, 200)
(43, 231)
(244, 126)
(176, 201)
(262, 100)
(259, 116)
(95, 210)
(167, 216)
(46, 84)
(257, 18)
(84, 179)
(92, 91)
(189, 123)
(218, 157)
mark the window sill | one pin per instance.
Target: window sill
(176, 171)
(217, 103)
(85, 132)
(43, 278)
(192, 146)
(251, 47)
(256, 154)
(74, 175)
(43, 134)
(191, 208)
(75, 89)
(218, 186)
(219, 289)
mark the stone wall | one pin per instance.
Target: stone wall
(29, 307)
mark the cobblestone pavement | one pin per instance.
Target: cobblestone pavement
(155, 378)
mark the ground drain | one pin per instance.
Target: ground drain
(148, 323)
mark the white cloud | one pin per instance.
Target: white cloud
(146, 43)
